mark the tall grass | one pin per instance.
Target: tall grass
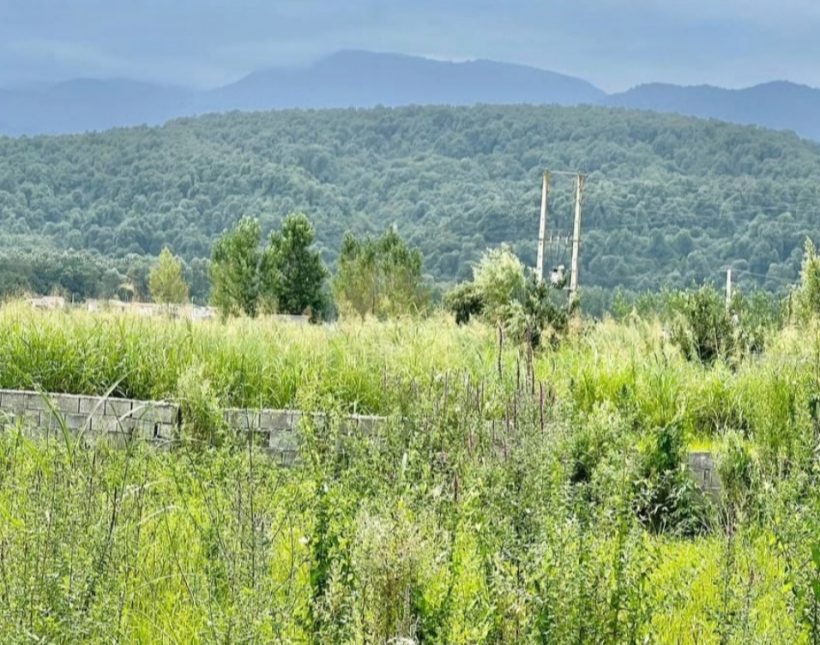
(509, 498)
(249, 362)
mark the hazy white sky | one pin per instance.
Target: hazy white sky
(613, 43)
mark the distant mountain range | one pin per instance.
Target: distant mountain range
(365, 79)
(778, 105)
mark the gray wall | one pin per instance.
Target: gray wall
(119, 420)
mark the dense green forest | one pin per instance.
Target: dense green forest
(668, 199)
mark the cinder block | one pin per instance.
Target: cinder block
(367, 424)
(258, 438)
(295, 419)
(36, 401)
(77, 422)
(273, 419)
(288, 458)
(165, 431)
(281, 419)
(28, 418)
(13, 400)
(66, 403)
(155, 412)
(105, 424)
(702, 469)
(239, 419)
(143, 430)
(284, 440)
(118, 407)
(46, 402)
(92, 405)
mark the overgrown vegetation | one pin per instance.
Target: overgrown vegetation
(516, 493)
(513, 496)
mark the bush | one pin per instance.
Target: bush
(505, 295)
(738, 473)
(464, 301)
(202, 416)
(703, 328)
(499, 278)
(667, 499)
(808, 293)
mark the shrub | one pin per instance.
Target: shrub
(703, 328)
(499, 278)
(464, 301)
(737, 469)
(667, 499)
(506, 296)
(808, 292)
(202, 416)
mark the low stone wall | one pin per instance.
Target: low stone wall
(92, 414)
(120, 420)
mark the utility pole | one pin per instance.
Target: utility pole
(728, 289)
(542, 227)
(576, 239)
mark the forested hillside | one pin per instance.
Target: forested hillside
(668, 199)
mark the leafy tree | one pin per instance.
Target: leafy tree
(293, 275)
(504, 294)
(165, 280)
(465, 301)
(234, 270)
(381, 277)
(703, 329)
(544, 308)
(499, 277)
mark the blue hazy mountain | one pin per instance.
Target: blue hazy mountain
(89, 104)
(364, 79)
(345, 79)
(778, 105)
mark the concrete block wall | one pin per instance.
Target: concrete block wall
(92, 415)
(120, 420)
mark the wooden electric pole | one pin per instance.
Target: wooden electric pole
(576, 239)
(542, 226)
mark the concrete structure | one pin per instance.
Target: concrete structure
(118, 421)
(703, 469)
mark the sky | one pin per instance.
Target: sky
(615, 44)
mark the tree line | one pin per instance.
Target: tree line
(379, 276)
(669, 200)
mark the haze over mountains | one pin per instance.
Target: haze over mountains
(365, 79)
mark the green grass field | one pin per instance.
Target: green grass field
(513, 497)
